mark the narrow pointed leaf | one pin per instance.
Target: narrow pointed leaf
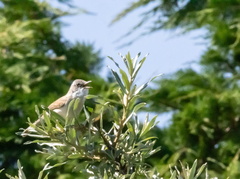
(130, 63)
(200, 170)
(138, 67)
(20, 171)
(148, 125)
(114, 61)
(119, 81)
(173, 175)
(125, 79)
(136, 59)
(138, 106)
(193, 170)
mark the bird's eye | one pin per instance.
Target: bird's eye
(79, 85)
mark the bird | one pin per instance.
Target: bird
(78, 90)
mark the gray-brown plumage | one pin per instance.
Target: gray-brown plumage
(78, 89)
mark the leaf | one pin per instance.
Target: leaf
(201, 169)
(87, 114)
(138, 67)
(70, 107)
(147, 125)
(118, 81)
(193, 170)
(136, 59)
(47, 120)
(173, 175)
(75, 156)
(76, 104)
(138, 106)
(145, 85)
(124, 60)
(130, 63)
(114, 61)
(125, 79)
(46, 177)
(37, 110)
(89, 96)
(20, 171)
(184, 170)
(131, 130)
(89, 109)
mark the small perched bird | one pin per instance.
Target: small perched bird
(78, 89)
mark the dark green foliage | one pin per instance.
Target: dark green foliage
(37, 66)
(204, 104)
(116, 150)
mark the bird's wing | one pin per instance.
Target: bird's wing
(58, 103)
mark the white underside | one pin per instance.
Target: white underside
(65, 112)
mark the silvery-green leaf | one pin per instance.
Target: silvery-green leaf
(90, 96)
(114, 61)
(46, 177)
(193, 170)
(75, 156)
(119, 81)
(20, 171)
(173, 175)
(138, 67)
(125, 79)
(47, 120)
(201, 169)
(138, 106)
(136, 59)
(76, 104)
(145, 85)
(130, 63)
(148, 125)
(37, 110)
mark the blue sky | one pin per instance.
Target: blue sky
(168, 51)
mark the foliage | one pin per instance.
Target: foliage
(204, 103)
(35, 59)
(184, 172)
(219, 18)
(115, 151)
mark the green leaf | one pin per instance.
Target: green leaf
(193, 170)
(76, 104)
(200, 170)
(125, 79)
(90, 96)
(20, 171)
(46, 177)
(75, 156)
(173, 175)
(119, 81)
(136, 59)
(131, 130)
(138, 67)
(37, 110)
(138, 106)
(87, 114)
(114, 61)
(142, 87)
(47, 120)
(148, 125)
(130, 63)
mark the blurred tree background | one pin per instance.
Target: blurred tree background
(37, 66)
(35, 59)
(205, 103)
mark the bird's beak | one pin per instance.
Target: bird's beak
(86, 84)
